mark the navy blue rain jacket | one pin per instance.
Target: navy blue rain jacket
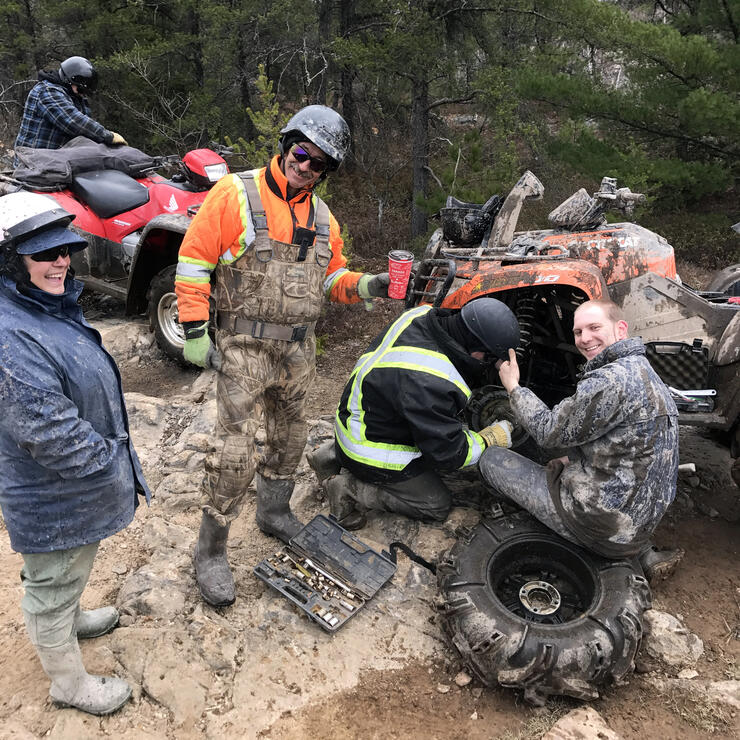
(69, 474)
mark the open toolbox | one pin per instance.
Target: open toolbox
(327, 572)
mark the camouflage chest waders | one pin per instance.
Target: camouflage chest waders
(268, 301)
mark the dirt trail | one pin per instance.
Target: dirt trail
(418, 697)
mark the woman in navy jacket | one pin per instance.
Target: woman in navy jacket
(69, 475)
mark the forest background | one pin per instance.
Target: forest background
(443, 97)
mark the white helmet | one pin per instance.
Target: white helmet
(33, 222)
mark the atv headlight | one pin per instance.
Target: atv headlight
(214, 172)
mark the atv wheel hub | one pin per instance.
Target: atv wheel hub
(539, 597)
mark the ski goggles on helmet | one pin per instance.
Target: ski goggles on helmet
(50, 255)
(316, 164)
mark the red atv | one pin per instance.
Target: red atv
(133, 218)
(692, 337)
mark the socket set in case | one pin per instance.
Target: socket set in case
(327, 572)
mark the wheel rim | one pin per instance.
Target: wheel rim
(167, 319)
(490, 404)
(541, 580)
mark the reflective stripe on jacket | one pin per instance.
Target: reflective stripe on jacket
(223, 230)
(399, 412)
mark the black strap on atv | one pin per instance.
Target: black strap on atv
(394, 547)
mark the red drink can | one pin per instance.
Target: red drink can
(399, 269)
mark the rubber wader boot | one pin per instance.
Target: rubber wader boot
(95, 622)
(343, 505)
(323, 461)
(212, 570)
(73, 686)
(659, 564)
(273, 508)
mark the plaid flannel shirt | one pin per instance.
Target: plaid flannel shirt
(52, 116)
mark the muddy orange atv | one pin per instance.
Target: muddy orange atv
(692, 337)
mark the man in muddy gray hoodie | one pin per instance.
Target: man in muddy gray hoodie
(620, 429)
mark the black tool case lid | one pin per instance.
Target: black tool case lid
(337, 551)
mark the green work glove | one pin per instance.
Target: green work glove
(373, 286)
(497, 434)
(199, 349)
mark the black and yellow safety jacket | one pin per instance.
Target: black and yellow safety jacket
(400, 410)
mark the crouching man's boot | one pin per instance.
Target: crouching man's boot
(323, 461)
(212, 570)
(95, 622)
(344, 506)
(659, 564)
(273, 508)
(73, 686)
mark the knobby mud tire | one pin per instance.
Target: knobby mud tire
(162, 311)
(588, 641)
(726, 281)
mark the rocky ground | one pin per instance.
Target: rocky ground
(260, 669)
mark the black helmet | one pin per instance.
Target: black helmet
(79, 71)
(494, 324)
(321, 126)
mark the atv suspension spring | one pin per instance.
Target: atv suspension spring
(526, 314)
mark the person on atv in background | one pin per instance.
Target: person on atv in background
(57, 110)
(398, 424)
(273, 250)
(620, 430)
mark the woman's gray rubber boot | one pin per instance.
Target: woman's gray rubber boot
(273, 508)
(73, 686)
(212, 570)
(323, 461)
(95, 622)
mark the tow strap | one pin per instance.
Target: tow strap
(394, 547)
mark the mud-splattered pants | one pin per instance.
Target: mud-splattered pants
(52, 585)
(525, 483)
(258, 376)
(425, 496)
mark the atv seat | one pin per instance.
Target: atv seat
(109, 192)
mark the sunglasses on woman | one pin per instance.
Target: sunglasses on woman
(316, 164)
(50, 255)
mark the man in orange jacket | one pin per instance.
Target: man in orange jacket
(272, 250)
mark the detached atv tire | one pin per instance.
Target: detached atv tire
(162, 311)
(528, 610)
(726, 281)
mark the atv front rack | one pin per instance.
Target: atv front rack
(432, 280)
(418, 290)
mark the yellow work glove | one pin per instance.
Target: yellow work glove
(497, 434)
(117, 139)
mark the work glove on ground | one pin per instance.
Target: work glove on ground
(199, 349)
(497, 434)
(117, 139)
(373, 286)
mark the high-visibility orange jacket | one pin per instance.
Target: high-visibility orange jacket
(222, 231)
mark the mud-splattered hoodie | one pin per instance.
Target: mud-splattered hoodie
(69, 474)
(621, 431)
